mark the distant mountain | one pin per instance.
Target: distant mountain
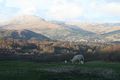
(52, 30)
(28, 22)
(97, 27)
(22, 34)
(61, 30)
(111, 33)
(113, 36)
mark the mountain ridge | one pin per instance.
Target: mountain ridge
(60, 30)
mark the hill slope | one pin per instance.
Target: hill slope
(99, 28)
(22, 34)
(64, 31)
(49, 29)
(113, 36)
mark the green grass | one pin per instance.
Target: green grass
(19, 70)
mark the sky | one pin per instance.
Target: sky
(63, 10)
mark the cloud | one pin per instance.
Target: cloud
(56, 9)
(86, 10)
(103, 11)
(1, 0)
(112, 9)
(6, 12)
(109, 9)
(116, 1)
(25, 6)
(63, 10)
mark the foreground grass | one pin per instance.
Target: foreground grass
(18, 70)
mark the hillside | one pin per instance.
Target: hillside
(99, 28)
(104, 31)
(64, 31)
(113, 36)
(47, 28)
(22, 34)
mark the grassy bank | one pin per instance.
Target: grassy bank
(18, 70)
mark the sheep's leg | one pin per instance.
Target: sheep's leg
(72, 61)
(79, 61)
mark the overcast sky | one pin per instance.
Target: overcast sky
(63, 10)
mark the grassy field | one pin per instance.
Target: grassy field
(19, 70)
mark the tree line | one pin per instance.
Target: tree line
(58, 50)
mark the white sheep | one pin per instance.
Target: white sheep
(65, 61)
(78, 58)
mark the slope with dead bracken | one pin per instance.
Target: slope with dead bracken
(22, 34)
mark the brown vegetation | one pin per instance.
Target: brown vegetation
(59, 50)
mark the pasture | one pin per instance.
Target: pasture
(97, 70)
